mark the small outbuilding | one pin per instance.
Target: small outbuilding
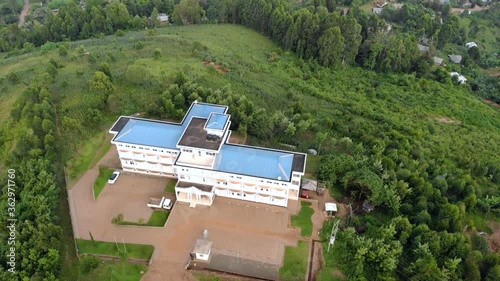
(438, 60)
(312, 151)
(470, 44)
(460, 77)
(455, 58)
(308, 184)
(330, 208)
(423, 48)
(367, 206)
(202, 250)
(377, 10)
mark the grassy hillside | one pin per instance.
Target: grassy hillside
(443, 123)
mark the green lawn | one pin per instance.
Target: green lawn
(303, 219)
(111, 249)
(312, 165)
(295, 262)
(115, 271)
(170, 187)
(100, 182)
(158, 218)
(90, 153)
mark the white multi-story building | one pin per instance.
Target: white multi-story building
(197, 151)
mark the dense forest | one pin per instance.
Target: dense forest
(391, 126)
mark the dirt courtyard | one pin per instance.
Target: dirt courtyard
(244, 229)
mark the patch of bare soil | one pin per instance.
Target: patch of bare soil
(446, 120)
(317, 260)
(477, 8)
(492, 103)
(237, 139)
(24, 12)
(494, 239)
(218, 67)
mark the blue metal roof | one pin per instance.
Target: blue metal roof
(217, 121)
(150, 133)
(257, 162)
(202, 110)
(163, 134)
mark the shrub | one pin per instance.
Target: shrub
(48, 46)
(89, 263)
(118, 219)
(139, 45)
(119, 33)
(63, 52)
(157, 54)
(13, 78)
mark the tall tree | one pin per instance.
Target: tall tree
(188, 12)
(331, 46)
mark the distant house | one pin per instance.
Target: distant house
(467, 4)
(438, 60)
(423, 48)
(455, 58)
(54, 12)
(461, 78)
(367, 206)
(162, 18)
(444, 1)
(377, 10)
(470, 44)
(380, 4)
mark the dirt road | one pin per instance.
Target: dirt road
(24, 12)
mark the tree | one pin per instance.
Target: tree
(188, 12)
(331, 46)
(474, 54)
(100, 84)
(154, 17)
(213, 10)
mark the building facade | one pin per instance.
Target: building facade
(198, 153)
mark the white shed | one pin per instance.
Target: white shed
(202, 249)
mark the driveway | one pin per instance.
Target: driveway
(248, 230)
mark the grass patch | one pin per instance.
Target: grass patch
(109, 270)
(170, 187)
(90, 153)
(158, 218)
(303, 219)
(295, 262)
(312, 164)
(100, 182)
(136, 251)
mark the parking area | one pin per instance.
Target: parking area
(239, 229)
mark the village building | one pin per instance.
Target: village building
(198, 153)
(455, 58)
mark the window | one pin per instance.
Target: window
(140, 147)
(133, 146)
(119, 145)
(238, 178)
(131, 162)
(127, 146)
(155, 149)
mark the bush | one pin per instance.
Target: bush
(63, 52)
(119, 33)
(157, 54)
(13, 78)
(89, 263)
(139, 45)
(118, 219)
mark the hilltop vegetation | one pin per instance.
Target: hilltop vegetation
(391, 127)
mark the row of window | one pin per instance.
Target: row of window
(147, 148)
